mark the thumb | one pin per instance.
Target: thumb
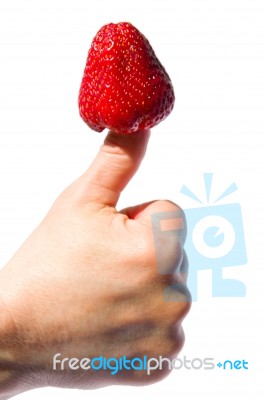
(116, 162)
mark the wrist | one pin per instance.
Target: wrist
(7, 355)
(20, 368)
(14, 372)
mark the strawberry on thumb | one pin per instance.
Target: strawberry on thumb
(127, 90)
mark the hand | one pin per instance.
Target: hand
(86, 283)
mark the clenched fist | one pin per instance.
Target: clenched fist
(86, 284)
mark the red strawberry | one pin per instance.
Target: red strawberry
(125, 87)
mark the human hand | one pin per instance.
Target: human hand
(86, 283)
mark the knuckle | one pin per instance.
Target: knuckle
(175, 341)
(168, 205)
(177, 304)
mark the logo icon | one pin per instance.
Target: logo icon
(214, 240)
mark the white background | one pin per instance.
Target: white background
(214, 52)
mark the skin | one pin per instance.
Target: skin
(85, 283)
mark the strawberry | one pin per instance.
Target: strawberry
(125, 88)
